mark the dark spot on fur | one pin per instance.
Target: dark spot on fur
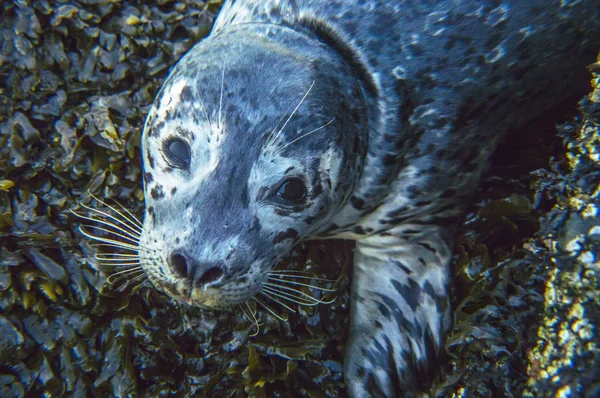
(427, 247)
(157, 192)
(186, 94)
(403, 267)
(360, 372)
(151, 160)
(148, 178)
(448, 193)
(359, 230)
(409, 292)
(173, 190)
(255, 225)
(389, 160)
(289, 234)
(357, 203)
(384, 310)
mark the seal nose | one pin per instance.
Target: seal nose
(198, 273)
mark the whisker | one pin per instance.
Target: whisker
(119, 264)
(125, 222)
(133, 220)
(107, 240)
(291, 271)
(139, 278)
(114, 278)
(117, 259)
(108, 231)
(131, 269)
(251, 318)
(270, 310)
(283, 276)
(278, 302)
(293, 113)
(304, 135)
(268, 141)
(117, 246)
(299, 298)
(108, 256)
(289, 297)
(301, 284)
(109, 224)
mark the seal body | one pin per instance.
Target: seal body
(370, 120)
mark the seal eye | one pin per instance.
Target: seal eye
(178, 152)
(292, 190)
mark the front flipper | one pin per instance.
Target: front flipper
(399, 312)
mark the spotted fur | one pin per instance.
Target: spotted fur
(388, 112)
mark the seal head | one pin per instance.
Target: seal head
(255, 141)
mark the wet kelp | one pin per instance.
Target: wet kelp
(77, 81)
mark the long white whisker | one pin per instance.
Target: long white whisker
(119, 263)
(293, 112)
(268, 141)
(307, 301)
(278, 301)
(133, 220)
(100, 256)
(271, 311)
(290, 271)
(251, 318)
(132, 269)
(132, 229)
(108, 224)
(108, 231)
(114, 242)
(114, 278)
(289, 291)
(284, 292)
(281, 275)
(117, 246)
(132, 281)
(301, 284)
(305, 135)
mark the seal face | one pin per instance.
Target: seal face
(369, 120)
(246, 151)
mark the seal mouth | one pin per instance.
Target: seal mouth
(207, 298)
(277, 291)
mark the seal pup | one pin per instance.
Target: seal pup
(369, 120)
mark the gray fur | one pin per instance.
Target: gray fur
(407, 99)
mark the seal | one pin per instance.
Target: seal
(369, 120)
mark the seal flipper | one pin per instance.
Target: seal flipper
(400, 313)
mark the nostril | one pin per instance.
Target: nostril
(210, 275)
(179, 265)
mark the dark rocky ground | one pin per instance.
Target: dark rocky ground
(77, 79)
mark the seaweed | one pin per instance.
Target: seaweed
(77, 81)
